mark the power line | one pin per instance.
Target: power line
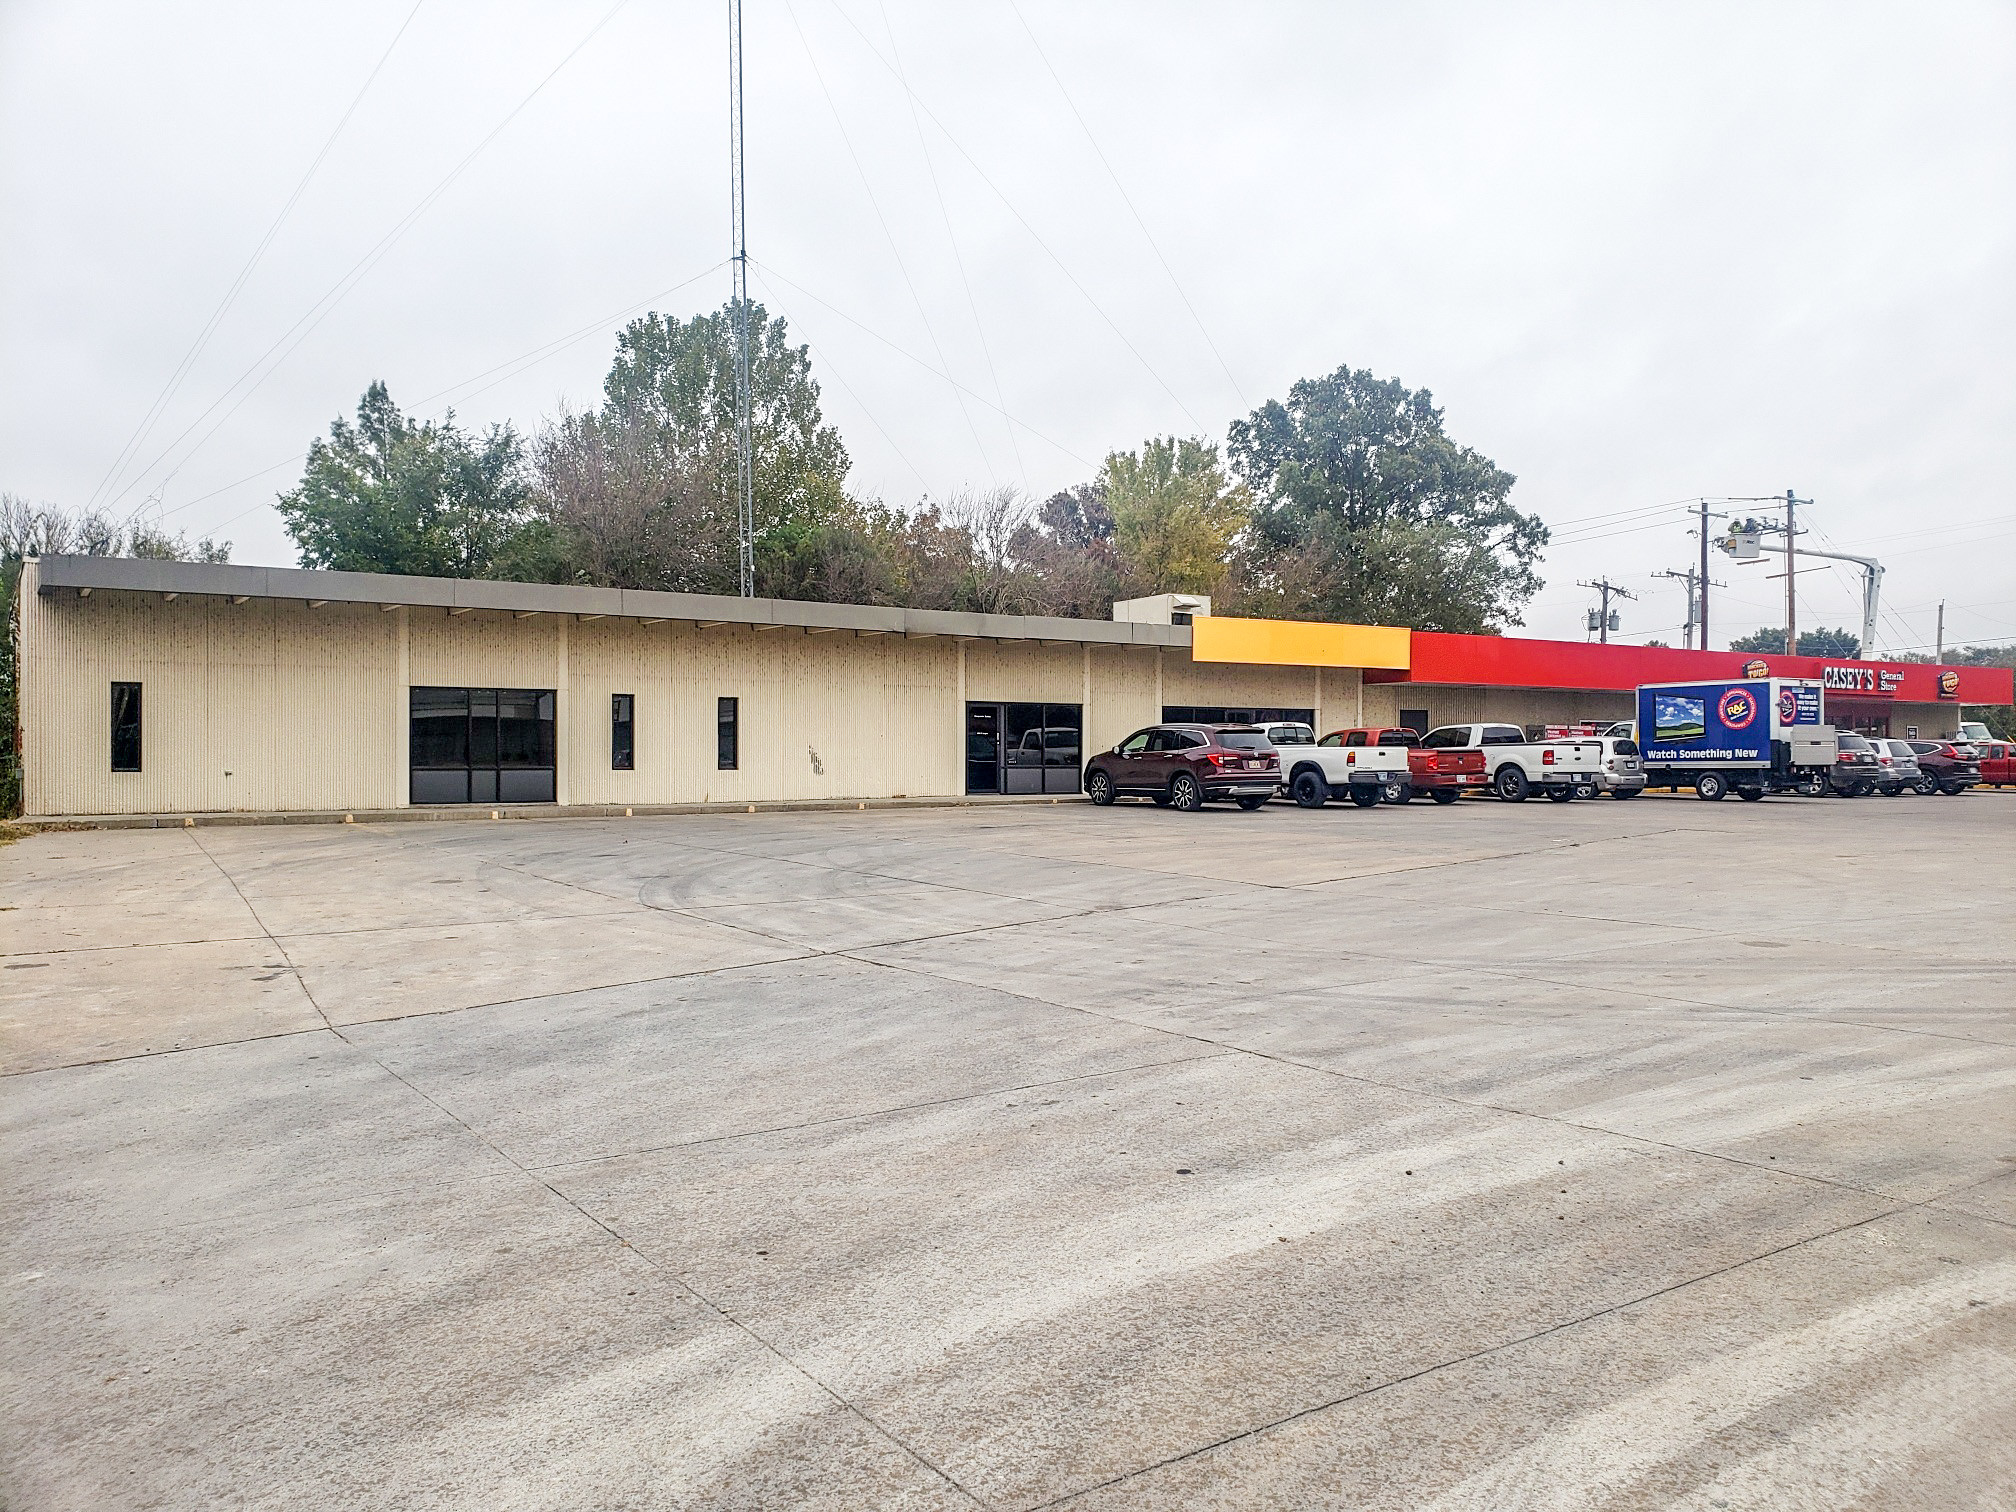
(1022, 219)
(320, 310)
(1128, 200)
(958, 258)
(913, 357)
(888, 235)
(160, 404)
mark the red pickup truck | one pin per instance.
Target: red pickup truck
(1443, 775)
(1998, 763)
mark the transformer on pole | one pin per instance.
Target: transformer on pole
(745, 462)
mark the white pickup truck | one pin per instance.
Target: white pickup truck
(1516, 766)
(1314, 774)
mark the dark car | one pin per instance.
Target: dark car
(1946, 766)
(1186, 766)
(1856, 769)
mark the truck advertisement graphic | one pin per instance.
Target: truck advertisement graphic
(1712, 721)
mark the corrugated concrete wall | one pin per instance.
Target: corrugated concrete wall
(271, 705)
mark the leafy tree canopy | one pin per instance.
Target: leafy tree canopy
(1841, 643)
(1175, 514)
(394, 494)
(1369, 511)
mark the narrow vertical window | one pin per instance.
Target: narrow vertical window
(622, 732)
(727, 756)
(125, 727)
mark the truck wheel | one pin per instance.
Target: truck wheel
(1444, 796)
(1862, 790)
(1404, 793)
(1811, 787)
(1710, 785)
(1585, 790)
(1511, 784)
(1185, 793)
(1099, 788)
(1560, 793)
(1250, 802)
(1366, 794)
(1750, 794)
(1309, 788)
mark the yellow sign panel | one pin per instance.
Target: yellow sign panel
(1299, 643)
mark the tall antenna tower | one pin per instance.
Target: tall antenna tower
(745, 462)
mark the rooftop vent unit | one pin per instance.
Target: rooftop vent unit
(1163, 609)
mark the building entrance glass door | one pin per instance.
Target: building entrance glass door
(481, 745)
(1023, 747)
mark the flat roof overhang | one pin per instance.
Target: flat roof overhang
(1502, 661)
(90, 574)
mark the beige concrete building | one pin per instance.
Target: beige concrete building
(176, 688)
(182, 688)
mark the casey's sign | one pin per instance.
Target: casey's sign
(1878, 682)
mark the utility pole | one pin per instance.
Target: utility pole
(1704, 579)
(1939, 641)
(1697, 603)
(745, 462)
(1608, 590)
(1791, 576)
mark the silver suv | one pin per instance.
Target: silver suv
(1897, 766)
(1623, 773)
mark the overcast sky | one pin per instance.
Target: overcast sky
(1638, 253)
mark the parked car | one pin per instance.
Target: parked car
(1897, 767)
(1443, 773)
(1997, 760)
(1516, 765)
(1365, 772)
(1622, 774)
(1186, 766)
(1855, 770)
(1945, 766)
(1973, 732)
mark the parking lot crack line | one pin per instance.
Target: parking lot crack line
(1315, 1409)
(892, 1111)
(1447, 1098)
(718, 1309)
(300, 980)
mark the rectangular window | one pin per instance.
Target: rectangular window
(727, 755)
(125, 727)
(622, 732)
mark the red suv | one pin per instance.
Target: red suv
(1186, 766)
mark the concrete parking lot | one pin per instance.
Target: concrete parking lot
(1602, 1155)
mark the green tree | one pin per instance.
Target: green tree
(1369, 511)
(1175, 514)
(643, 492)
(1770, 641)
(395, 494)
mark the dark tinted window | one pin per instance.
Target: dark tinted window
(1187, 740)
(1853, 742)
(727, 733)
(524, 728)
(1627, 747)
(1447, 736)
(1504, 735)
(1355, 738)
(1924, 747)
(623, 732)
(125, 727)
(1244, 740)
(1399, 738)
(1292, 735)
(440, 727)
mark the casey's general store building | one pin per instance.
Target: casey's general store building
(176, 688)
